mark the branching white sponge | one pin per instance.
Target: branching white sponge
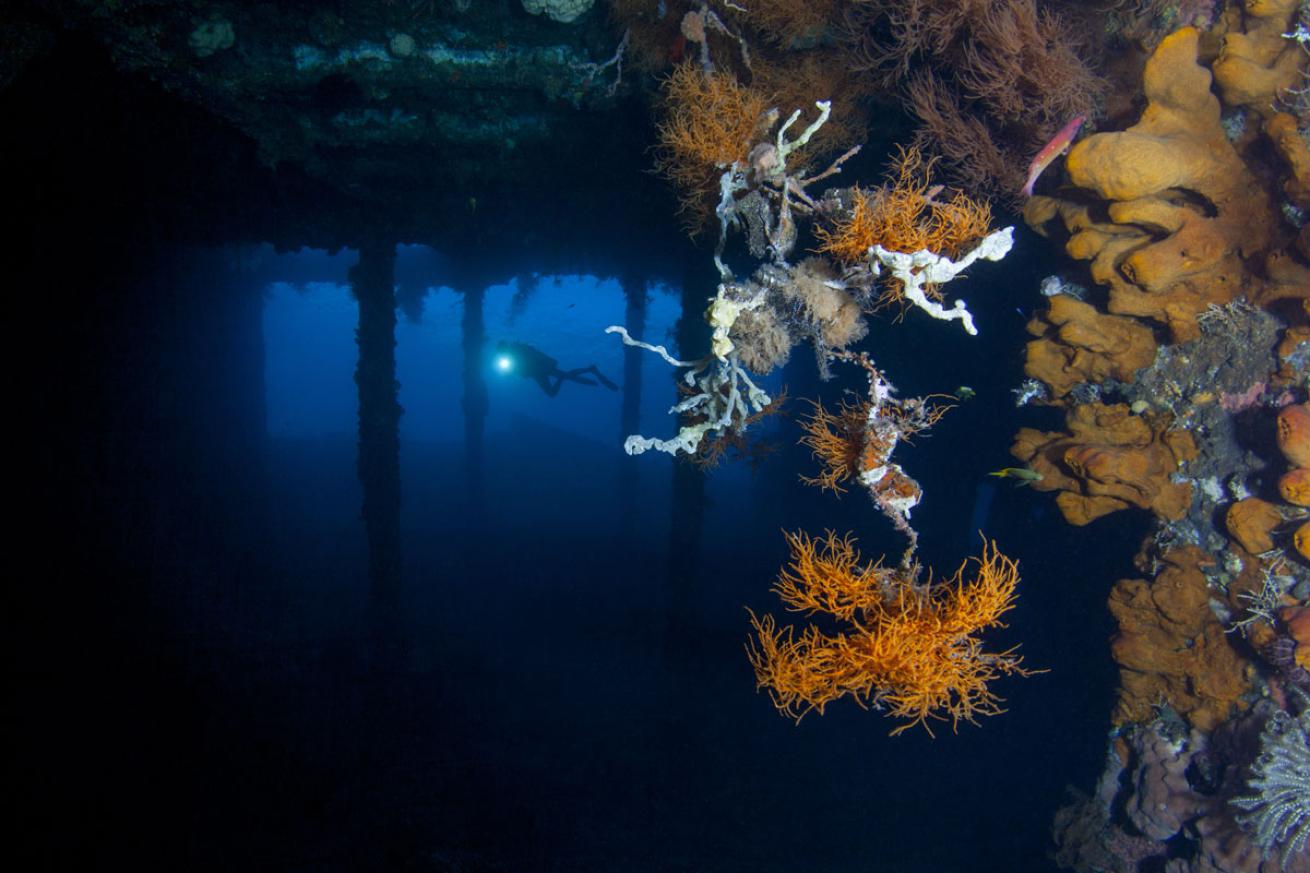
(924, 268)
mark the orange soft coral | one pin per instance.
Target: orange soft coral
(837, 440)
(911, 649)
(857, 441)
(905, 215)
(711, 121)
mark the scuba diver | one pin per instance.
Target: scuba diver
(532, 363)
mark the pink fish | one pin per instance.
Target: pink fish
(1058, 145)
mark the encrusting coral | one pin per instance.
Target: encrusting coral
(1175, 211)
(1076, 344)
(1257, 64)
(1192, 224)
(1295, 152)
(1293, 352)
(1301, 540)
(1251, 521)
(906, 647)
(1109, 460)
(1295, 621)
(1292, 429)
(1255, 522)
(1294, 486)
(1167, 801)
(1294, 434)
(1171, 649)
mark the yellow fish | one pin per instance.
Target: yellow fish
(1025, 475)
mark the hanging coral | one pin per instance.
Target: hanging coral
(907, 647)
(710, 122)
(907, 214)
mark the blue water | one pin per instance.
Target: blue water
(559, 701)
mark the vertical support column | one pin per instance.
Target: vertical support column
(475, 400)
(373, 281)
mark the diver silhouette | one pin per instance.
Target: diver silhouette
(532, 363)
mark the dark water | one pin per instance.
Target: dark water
(201, 678)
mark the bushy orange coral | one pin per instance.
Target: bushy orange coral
(837, 441)
(790, 52)
(858, 440)
(905, 215)
(710, 121)
(910, 648)
(854, 440)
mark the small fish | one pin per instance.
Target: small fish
(964, 392)
(1025, 475)
(1058, 145)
